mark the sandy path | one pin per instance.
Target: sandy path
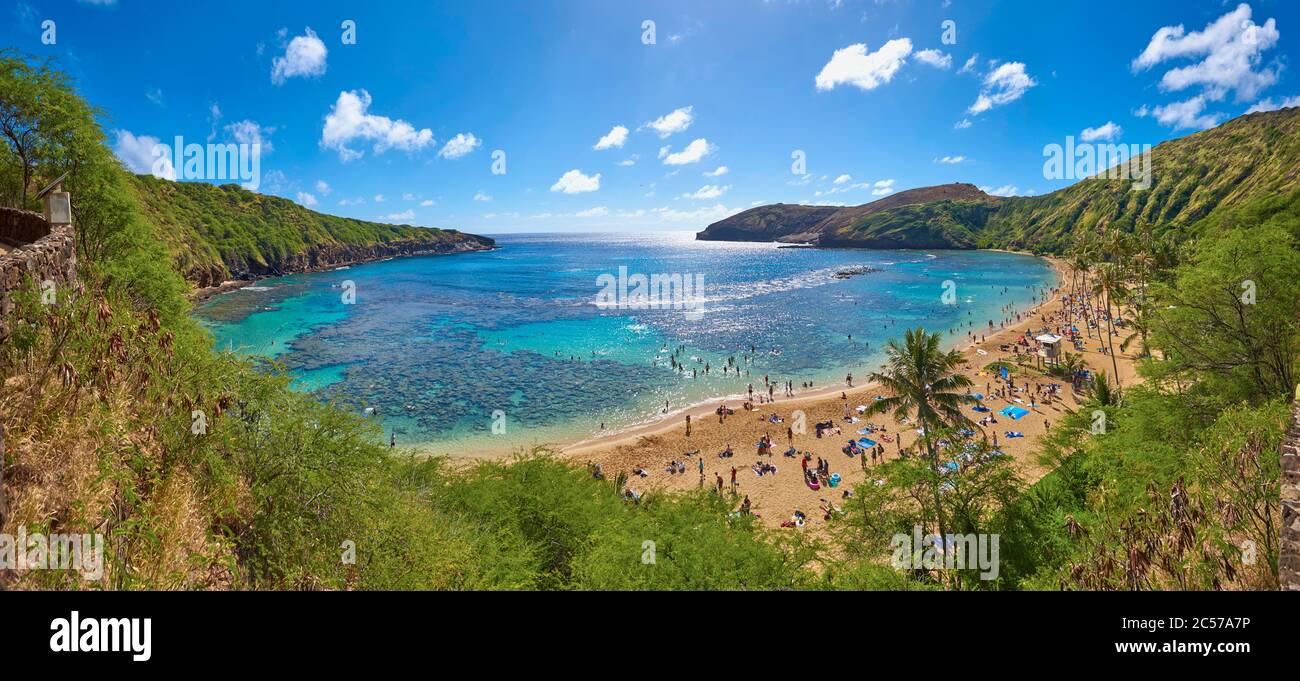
(775, 497)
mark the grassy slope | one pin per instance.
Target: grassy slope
(214, 231)
(1193, 177)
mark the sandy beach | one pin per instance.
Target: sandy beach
(774, 497)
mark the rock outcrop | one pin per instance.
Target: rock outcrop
(329, 256)
(834, 226)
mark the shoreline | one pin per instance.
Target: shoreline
(705, 408)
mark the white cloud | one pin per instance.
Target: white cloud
(408, 196)
(137, 154)
(250, 133)
(882, 187)
(480, 196)
(323, 188)
(693, 153)
(426, 202)
(853, 65)
(304, 56)
(719, 172)
(695, 216)
(934, 58)
(951, 160)
(352, 202)
(574, 182)
(628, 161)
(306, 199)
(969, 66)
(379, 198)
(962, 124)
(1004, 190)
(1267, 104)
(155, 96)
(708, 191)
(350, 120)
(668, 124)
(1004, 85)
(598, 211)
(274, 182)
(1186, 114)
(843, 178)
(616, 137)
(460, 145)
(404, 216)
(1109, 131)
(1230, 50)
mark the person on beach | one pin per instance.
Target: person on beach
(688, 425)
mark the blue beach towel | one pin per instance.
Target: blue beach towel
(866, 443)
(1014, 412)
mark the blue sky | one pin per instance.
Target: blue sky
(869, 91)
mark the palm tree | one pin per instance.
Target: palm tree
(1070, 365)
(1082, 256)
(1143, 263)
(1101, 392)
(925, 386)
(1107, 286)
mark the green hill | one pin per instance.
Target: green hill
(1192, 178)
(217, 233)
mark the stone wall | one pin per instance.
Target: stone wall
(20, 227)
(40, 252)
(1289, 556)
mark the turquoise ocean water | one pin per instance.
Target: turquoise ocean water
(444, 347)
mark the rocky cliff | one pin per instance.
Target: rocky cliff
(328, 256)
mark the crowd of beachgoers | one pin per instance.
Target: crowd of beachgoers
(748, 451)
